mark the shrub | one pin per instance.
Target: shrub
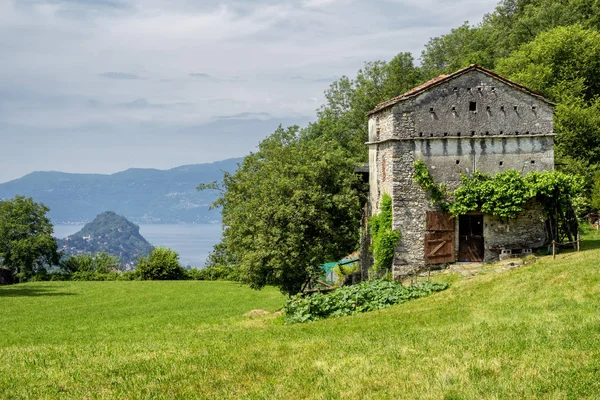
(214, 273)
(161, 264)
(384, 238)
(348, 300)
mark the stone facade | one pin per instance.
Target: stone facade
(472, 120)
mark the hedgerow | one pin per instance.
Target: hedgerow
(348, 300)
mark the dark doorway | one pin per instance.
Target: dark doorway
(470, 243)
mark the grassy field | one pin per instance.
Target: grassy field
(532, 332)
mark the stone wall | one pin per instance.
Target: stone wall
(526, 231)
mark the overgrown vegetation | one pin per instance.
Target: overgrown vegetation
(348, 300)
(436, 192)
(383, 237)
(505, 194)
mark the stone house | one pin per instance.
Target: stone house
(471, 120)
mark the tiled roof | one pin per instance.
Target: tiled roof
(445, 78)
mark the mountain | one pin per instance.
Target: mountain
(141, 195)
(111, 233)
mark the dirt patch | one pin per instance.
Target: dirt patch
(256, 313)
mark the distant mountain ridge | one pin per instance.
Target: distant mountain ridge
(141, 195)
(111, 233)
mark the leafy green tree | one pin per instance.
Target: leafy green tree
(26, 242)
(595, 193)
(101, 262)
(161, 264)
(563, 63)
(290, 207)
(463, 46)
(343, 118)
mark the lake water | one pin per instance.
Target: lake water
(192, 242)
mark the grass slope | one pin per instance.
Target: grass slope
(532, 332)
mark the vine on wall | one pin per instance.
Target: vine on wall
(505, 194)
(384, 238)
(437, 193)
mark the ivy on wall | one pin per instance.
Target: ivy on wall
(437, 193)
(505, 194)
(384, 238)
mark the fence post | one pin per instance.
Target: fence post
(578, 239)
(553, 250)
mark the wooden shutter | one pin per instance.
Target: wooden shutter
(439, 239)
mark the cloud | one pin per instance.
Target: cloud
(81, 70)
(120, 75)
(200, 75)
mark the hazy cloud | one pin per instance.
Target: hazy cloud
(90, 75)
(119, 75)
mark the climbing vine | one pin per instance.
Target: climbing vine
(505, 194)
(437, 193)
(384, 238)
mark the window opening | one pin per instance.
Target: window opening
(472, 106)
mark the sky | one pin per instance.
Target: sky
(99, 86)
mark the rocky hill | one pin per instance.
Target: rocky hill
(141, 195)
(111, 233)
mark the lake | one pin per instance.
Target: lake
(193, 242)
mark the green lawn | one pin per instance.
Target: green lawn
(532, 332)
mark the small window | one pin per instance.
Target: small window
(501, 163)
(527, 133)
(431, 109)
(517, 132)
(457, 162)
(533, 161)
(501, 108)
(445, 134)
(458, 134)
(455, 89)
(431, 135)
(472, 133)
(486, 133)
(502, 132)
(533, 108)
(488, 108)
(453, 108)
(472, 106)
(420, 134)
(516, 108)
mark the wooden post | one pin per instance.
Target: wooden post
(578, 239)
(554, 250)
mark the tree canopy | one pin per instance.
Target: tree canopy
(290, 207)
(26, 242)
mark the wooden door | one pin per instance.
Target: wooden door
(470, 243)
(439, 239)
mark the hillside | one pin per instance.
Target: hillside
(530, 332)
(141, 195)
(111, 233)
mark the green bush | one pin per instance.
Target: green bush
(100, 262)
(348, 300)
(214, 273)
(161, 264)
(384, 238)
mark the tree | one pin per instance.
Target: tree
(26, 242)
(563, 63)
(290, 207)
(100, 262)
(161, 264)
